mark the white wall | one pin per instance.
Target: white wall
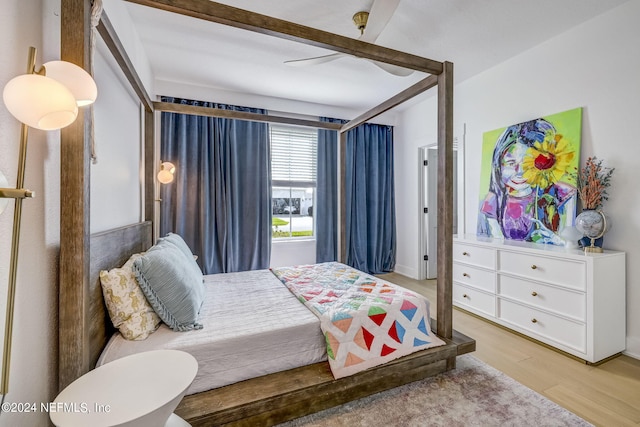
(33, 376)
(118, 15)
(594, 66)
(292, 252)
(116, 193)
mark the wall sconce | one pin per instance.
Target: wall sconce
(46, 99)
(166, 172)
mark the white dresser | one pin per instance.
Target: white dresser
(562, 297)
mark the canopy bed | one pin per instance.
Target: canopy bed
(83, 324)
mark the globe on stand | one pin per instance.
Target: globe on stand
(592, 224)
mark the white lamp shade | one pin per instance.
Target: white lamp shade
(40, 102)
(168, 166)
(76, 79)
(165, 177)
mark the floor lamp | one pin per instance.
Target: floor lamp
(46, 99)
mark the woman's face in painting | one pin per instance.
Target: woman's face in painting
(511, 171)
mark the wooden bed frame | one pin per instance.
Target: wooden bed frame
(273, 398)
(83, 323)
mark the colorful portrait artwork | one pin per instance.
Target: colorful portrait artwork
(528, 184)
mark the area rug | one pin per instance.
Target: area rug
(473, 394)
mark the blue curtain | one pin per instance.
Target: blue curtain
(220, 199)
(370, 199)
(326, 210)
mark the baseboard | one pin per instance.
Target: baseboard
(406, 271)
(633, 343)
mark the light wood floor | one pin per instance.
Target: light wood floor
(605, 395)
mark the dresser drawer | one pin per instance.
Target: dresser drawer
(545, 325)
(569, 273)
(469, 254)
(473, 299)
(562, 301)
(475, 277)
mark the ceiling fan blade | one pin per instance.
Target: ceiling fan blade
(314, 61)
(394, 69)
(380, 14)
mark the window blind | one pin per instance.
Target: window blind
(293, 155)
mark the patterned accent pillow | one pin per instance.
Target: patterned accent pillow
(128, 308)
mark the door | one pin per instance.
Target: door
(429, 206)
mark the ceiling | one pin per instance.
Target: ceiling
(473, 34)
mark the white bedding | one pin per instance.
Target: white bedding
(253, 326)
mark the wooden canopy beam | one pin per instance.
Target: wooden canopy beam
(263, 24)
(241, 115)
(405, 95)
(111, 39)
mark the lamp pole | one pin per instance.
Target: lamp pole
(19, 193)
(47, 103)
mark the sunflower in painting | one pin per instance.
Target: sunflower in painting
(546, 162)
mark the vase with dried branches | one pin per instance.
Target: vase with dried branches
(593, 180)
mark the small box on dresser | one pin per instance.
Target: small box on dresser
(567, 299)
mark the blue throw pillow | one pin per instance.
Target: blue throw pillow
(171, 285)
(177, 240)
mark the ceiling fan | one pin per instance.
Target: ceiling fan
(371, 24)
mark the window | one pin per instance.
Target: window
(293, 180)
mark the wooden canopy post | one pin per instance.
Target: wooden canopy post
(342, 205)
(149, 163)
(445, 203)
(75, 154)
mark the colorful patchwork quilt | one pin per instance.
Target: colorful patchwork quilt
(366, 321)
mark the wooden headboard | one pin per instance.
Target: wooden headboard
(110, 249)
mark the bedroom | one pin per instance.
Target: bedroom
(602, 90)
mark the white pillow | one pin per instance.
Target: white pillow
(128, 308)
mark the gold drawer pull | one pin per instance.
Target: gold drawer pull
(465, 275)
(533, 267)
(534, 294)
(465, 296)
(534, 320)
